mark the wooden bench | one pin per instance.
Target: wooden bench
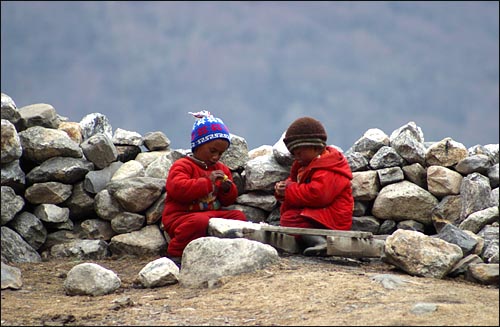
(353, 244)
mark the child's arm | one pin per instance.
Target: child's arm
(321, 191)
(229, 195)
(183, 187)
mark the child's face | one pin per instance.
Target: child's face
(305, 154)
(211, 151)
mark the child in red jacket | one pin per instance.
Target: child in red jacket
(318, 192)
(198, 186)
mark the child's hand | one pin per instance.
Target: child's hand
(279, 188)
(217, 175)
(225, 186)
(221, 181)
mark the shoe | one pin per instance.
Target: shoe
(315, 245)
(318, 251)
(176, 260)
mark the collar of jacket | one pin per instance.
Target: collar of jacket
(197, 161)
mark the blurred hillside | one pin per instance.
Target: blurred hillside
(260, 65)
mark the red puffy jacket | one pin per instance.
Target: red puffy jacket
(323, 194)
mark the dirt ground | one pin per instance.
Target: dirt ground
(297, 291)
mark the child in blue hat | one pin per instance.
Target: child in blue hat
(199, 186)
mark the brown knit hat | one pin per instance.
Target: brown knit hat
(305, 131)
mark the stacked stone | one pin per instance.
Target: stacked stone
(78, 189)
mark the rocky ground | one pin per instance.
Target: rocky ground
(297, 291)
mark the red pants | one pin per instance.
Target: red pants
(293, 218)
(191, 226)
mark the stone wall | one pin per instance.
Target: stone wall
(79, 187)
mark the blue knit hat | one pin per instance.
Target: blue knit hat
(207, 128)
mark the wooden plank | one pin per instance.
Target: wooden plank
(315, 231)
(355, 247)
(283, 242)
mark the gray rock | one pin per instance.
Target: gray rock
(91, 279)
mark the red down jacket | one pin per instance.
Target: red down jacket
(323, 195)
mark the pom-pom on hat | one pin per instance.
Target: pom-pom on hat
(305, 131)
(207, 128)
